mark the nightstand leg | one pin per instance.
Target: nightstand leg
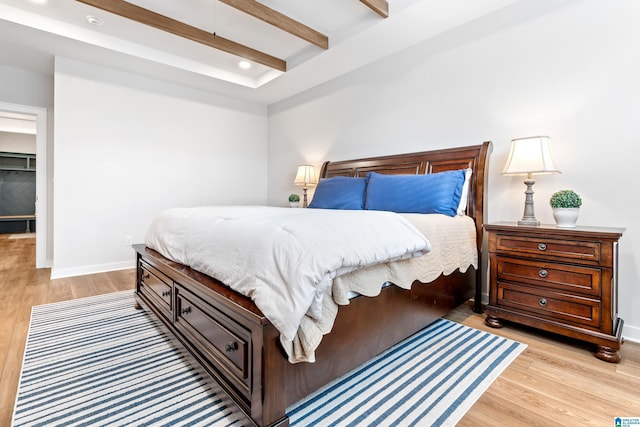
(493, 322)
(608, 354)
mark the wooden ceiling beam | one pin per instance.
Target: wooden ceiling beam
(164, 23)
(381, 7)
(278, 20)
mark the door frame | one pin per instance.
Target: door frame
(42, 199)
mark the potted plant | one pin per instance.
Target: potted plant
(566, 207)
(294, 200)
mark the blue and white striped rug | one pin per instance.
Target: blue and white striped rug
(100, 362)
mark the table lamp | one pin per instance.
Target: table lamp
(530, 156)
(306, 176)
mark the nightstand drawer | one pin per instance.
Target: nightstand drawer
(568, 249)
(563, 277)
(569, 309)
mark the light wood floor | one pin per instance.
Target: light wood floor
(553, 382)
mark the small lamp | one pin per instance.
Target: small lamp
(306, 176)
(530, 156)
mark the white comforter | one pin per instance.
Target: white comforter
(283, 259)
(453, 247)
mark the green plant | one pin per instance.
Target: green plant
(294, 198)
(565, 199)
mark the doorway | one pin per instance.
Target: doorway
(39, 117)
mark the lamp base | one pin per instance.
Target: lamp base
(529, 222)
(529, 217)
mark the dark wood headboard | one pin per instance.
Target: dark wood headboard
(475, 157)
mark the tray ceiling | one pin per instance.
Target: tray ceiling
(290, 45)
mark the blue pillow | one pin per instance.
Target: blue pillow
(339, 192)
(432, 193)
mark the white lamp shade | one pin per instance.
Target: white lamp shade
(306, 175)
(531, 155)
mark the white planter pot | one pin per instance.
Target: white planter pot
(566, 217)
(294, 204)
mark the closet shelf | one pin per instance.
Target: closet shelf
(17, 162)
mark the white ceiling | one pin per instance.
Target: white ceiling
(33, 32)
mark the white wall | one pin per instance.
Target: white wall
(25, 87)
(567, 69)
(127, 147)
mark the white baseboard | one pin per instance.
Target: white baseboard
(631, 333)
(58, 273)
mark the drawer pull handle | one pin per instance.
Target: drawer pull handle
(543, 302)
(145, 276)
(166, 293)
(542, 246)
(185, 310)
(231, 347)
(543, 273)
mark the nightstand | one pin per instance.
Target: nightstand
(561, 280)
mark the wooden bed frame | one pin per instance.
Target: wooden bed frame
(238, 346)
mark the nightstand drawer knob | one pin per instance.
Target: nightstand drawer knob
(543, 273)
(542, 246)
(543, 302)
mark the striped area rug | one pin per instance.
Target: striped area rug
(100, 362)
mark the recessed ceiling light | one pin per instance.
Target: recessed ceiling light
(245, 65)
(94, 20)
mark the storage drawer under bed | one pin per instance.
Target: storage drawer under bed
(219, 337)
(157, 286)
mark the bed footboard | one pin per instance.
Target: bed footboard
(224, 332)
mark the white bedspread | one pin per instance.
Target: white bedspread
(453, 241)
(283, 259)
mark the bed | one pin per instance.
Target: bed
(240, 348)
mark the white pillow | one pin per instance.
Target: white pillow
(462, 206)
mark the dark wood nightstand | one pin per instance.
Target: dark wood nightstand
(561, 280)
